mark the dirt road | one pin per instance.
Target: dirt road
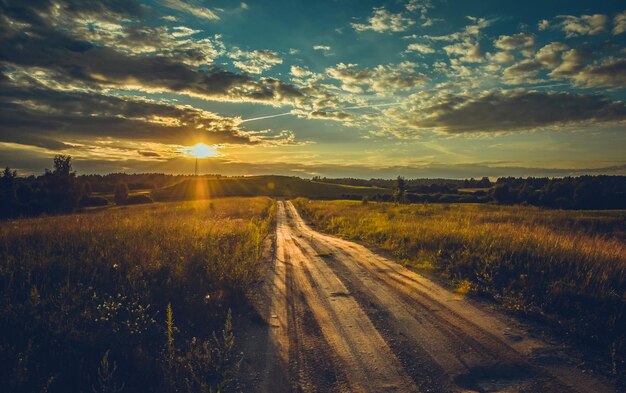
(341, 318)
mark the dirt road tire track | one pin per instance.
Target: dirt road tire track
(343, 318)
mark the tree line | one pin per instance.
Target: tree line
(58, 190)
(582, 192)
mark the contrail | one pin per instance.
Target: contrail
(332, 110)
(266, 117)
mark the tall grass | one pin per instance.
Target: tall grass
(85, 296)
(568, 267)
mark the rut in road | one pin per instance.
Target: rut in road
(343, 318)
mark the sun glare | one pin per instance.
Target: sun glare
(200, 150)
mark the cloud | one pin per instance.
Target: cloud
(199, 12)
(421, 6)
(543, 24)
(550, 55)
(583, 25)
(334, 115)
(525, 71)
(505, 111)
(523, 42)
(383, 21)
(256, 61)
(324, 48)
(501, 57)
(468, 51)
(619, 23)
(421, 48)
(382, 79)
(610, 72)
(465, 44)
(83, 64)
(35, 115)
(572, 61)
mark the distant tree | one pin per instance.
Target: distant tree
(484, 183)
(62, 189)
(9, 205)
(502, 194)
(8, 177)
(400, 190)
(121, 194)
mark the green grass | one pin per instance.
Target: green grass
(567, 267)
(83, 297)
(277, 186)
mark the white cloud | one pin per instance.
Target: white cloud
(583, 25)
(524, 42)
(324, 48)
(255, 61)
(550, 55)
(200, 12)
(382, 21)
(619, 23)
(544, 24)
(182, 31)
(421, 48)
(382, 79)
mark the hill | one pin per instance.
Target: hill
(270, 185)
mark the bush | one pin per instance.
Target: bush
(93, 201)
(137, 199)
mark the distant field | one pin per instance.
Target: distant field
(568, 267)
(75, 288)
(278, 186)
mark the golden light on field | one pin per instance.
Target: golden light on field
(200, 150)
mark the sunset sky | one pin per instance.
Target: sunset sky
(420, 88)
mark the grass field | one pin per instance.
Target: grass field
(277, 186)
(127, 297)
(567, 267)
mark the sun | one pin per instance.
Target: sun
(200, 150)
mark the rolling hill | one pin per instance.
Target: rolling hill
(270, 185)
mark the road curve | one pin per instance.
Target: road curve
(344, 319)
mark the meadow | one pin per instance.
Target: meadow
(567, 268)
(133, 298)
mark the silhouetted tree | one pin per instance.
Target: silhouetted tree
(121, 194)
(62, 189)
(400, 190)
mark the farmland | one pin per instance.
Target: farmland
(568, 268)
(128, 297)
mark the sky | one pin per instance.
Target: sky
(342, 88)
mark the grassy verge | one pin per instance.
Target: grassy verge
(127, 297)
(568, 267)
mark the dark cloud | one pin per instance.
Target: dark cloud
(608, 73)
(42, 117)
(149, 154)
(512, 110)
(44, 45)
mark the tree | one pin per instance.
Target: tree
(502, 193)
(63, 191)
(400, 191)
(121, 194)
(63, 166)
(8, 199)
(8, 177)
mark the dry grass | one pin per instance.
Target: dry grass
(74, 288)
(568, 267)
